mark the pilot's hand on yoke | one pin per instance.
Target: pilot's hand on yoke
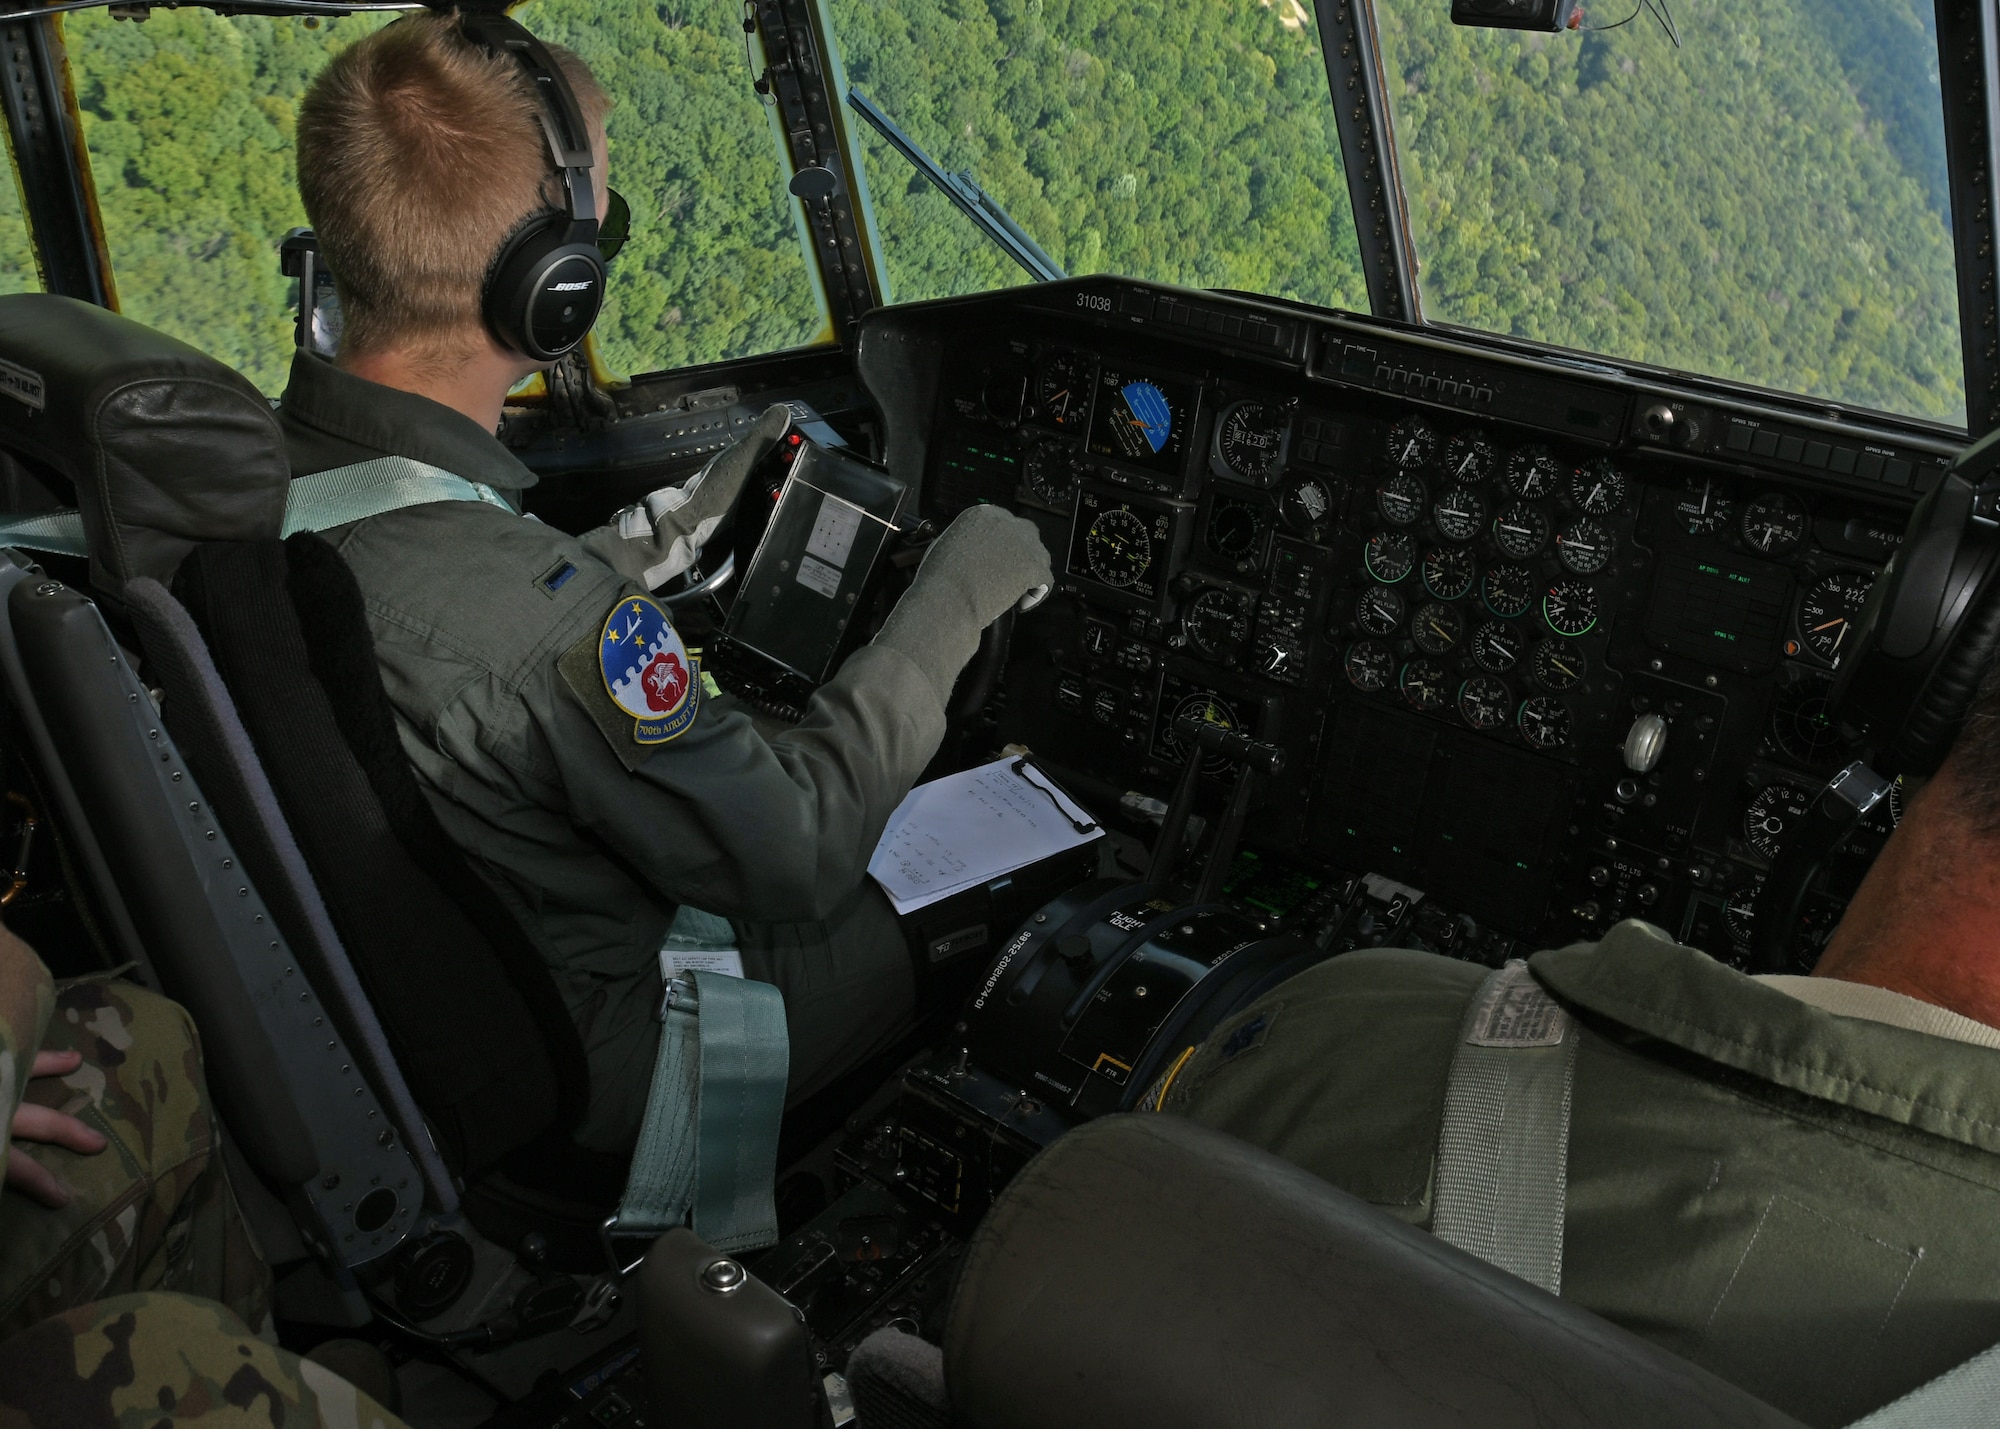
(986, 563)
(660, 537)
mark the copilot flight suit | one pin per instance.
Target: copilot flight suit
(486, 628)
(1803, 1202)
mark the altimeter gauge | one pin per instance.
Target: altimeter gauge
(1247, 439)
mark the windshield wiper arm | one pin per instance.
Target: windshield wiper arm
(964, 192)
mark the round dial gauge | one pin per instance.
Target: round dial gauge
(1279, 657)
(1496, 648)
(1558, 665)
(1412, 443)
(1118, 547)
(1469, 457)
(1217, 622)
(1544, 722)
(1508, 590)
(1233, 529)
(1063, 389)
(1379, 611)
(1051, 473)
(1247, 439)
(1584, 546)
(1777, 809)
(1598, 487)
(1104, 707)
(1459, 514)
(1703, 508)
(1828, 612)
(1800, 725)
(1098, 638)
(1520, 531)
(1400, 499)
(1369, 666)
(1484, 702)
(1202, 706)
(1774, 523)
(1533, 471)
(1570, 607)
(1389, 556)
(1423, 685)
(1449, 572)
(1739, 916)
(1436, 627)
(1895, 801)
(1305, 504)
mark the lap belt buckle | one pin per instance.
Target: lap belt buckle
(608, 1236)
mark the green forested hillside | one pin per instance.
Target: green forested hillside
(1766, 202)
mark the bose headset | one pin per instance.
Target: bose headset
(545, 285)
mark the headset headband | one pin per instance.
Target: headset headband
(562, 117)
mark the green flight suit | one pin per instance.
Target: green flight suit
(590, 839)
(1805, 1204)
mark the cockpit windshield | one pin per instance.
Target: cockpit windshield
(1188, 144)
(1766, 202)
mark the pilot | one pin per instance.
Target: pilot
(420, 154)
(1792, 1181)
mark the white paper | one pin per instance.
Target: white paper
(675, 961)
(834, 531)
(818, 576)
(966, 829)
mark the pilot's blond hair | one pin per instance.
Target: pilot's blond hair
(419, 154)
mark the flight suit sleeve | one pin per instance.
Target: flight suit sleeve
(27, 1001)
(774, 830)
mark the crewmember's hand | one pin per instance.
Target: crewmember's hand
(985, 563)
(48, 1127)
(657, 539)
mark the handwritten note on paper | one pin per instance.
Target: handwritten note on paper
(969, 828)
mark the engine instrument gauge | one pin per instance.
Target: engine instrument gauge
(1830, 609)
(1703, 508)
(1305, 504)
(1436, 627)
(1063, 389)
(1496, 648)
(1484, 702)
(1459, 514)
(1280, 657)
(1100, 638)
(1544, 722)
(1774, 523)
(1508, 590)
(1412, 443)
(1449, 571)
(1584, 546)
(1520, 531)
(1469, 456)
(1558, 665)
(1570, 608)
(1379, 611)
(1777, 809)
(1400, 499)
(1369, 666)
(1598, 487)
(1233, 529)
(1050, 471)
(1217, 622)
(1739, 916)
(1389, 556)
(1533, 471)
(1423, 685)
(1247, 439)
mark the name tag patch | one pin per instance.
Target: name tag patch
(23, 384)
(647, 671)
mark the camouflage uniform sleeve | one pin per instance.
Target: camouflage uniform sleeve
(27, 1000)
(146, 1361)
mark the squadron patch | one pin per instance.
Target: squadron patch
(647, 671)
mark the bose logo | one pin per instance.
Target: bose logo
(568, 287)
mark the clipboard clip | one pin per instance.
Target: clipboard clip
(1020, 770)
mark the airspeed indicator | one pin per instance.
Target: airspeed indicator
(1830, 609)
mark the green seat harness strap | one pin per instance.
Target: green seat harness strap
(1503, 1150)
(312, 503)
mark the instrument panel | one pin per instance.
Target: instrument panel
(1543, 648)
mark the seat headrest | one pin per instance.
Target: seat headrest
(165, 446)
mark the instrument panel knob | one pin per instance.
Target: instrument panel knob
(1645, 742)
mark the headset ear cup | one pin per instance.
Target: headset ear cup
(1940, 708)
(514, 297)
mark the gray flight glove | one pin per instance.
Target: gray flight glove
(986, 563)
(661, 536)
